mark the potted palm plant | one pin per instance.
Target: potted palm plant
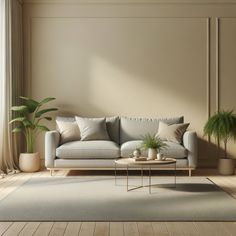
(153, 144)
(222, 126)
(28, 121)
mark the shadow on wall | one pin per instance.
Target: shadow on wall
(209, 152)
(133, 67)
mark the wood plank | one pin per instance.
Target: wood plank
(231, 185)
(72, 229)
(14, 229)
(130, 229)
(225, 185)
(46, 173)
(10, 181)
(145, 229)
(101, 229)
(116, 228)
(174, 229)
(29, 229)
(87, 229)
(230, 227)
(37, 174)
(7, 178)
(61, 173)
(218, 227)
(212, 228)
(58, 229)
(7, 190)
(189, 229)
(4, 226)
(160, 229)
(44, 229)
(203, 228)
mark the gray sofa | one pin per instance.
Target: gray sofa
(125, 135)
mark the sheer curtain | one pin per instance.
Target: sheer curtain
(11, 79)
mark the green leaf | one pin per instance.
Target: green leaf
(221, 125)
(47, 118)
(152, 141)
(27, 123)
(31, 104)
(39, 113)
(28, 99)
(42, 127)
(19, 108)
(18, 129)
(18, 119)
(46, 100)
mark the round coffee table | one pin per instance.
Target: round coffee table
(130, 162)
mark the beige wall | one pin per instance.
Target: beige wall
(156, 59)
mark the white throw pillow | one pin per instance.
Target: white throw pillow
(92, 128)
(172, 133)
(69, 131)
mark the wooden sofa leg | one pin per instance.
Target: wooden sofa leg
(190, 172)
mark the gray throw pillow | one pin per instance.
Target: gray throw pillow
(92, 128)
(172, 133)
(69, 131)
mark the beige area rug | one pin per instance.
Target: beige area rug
(97, 198)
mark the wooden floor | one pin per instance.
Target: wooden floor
(11, 182)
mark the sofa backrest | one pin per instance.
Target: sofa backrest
(123, 129)
(135, 128)
(112, 124)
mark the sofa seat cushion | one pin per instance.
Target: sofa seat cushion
(88, 150)
(173, 150)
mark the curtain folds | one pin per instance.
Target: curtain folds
(11, 80)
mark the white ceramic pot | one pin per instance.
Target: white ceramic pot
(226, 166)
(29, 162)
(160, 156)
(152, 154)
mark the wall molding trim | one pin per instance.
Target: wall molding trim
(208, 69)
(128, 2)
(217, 66)
(217, 62)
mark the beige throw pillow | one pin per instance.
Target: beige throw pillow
(172, 133)
(92, 128)
(69, 131)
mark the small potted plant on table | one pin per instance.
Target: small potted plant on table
(28, 122)
(153, 144)
(222, 126)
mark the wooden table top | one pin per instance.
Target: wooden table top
(131, 161)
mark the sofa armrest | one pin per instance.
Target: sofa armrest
(52, 139)
(190, 143)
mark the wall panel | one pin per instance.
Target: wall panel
(149, 60)
(227, 68)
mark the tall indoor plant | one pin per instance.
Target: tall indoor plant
(222, 126)
(28, 120)
(153, 144)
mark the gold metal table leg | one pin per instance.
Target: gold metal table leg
(142, 175)
(127, 172)
(115, 173)
(150, 180)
